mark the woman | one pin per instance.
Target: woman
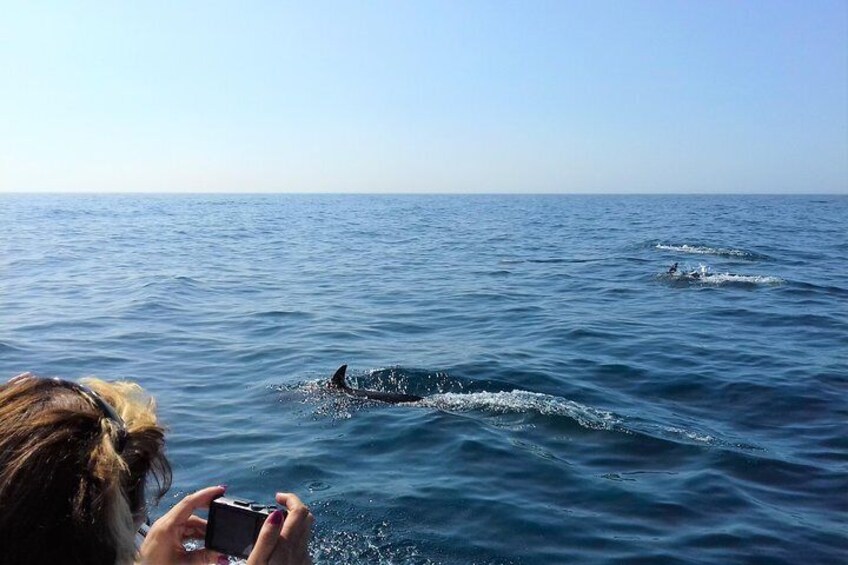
(74, 463)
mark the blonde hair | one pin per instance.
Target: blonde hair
(72, 485)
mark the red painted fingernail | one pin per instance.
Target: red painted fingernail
(276, 517)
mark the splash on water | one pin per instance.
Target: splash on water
(520, 401)
(342, 407)
(702, 275)
(724, 278)
(707, 250)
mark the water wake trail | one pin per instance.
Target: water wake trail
(707, 250)
(522, 402)
(703, 276)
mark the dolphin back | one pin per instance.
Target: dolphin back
(338, 380)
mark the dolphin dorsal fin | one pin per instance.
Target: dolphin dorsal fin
(338, 379)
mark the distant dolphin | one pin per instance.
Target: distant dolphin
(338, 383)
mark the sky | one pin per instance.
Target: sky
(461, 96)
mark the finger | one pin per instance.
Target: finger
(196, 522)
(289, 499)
(296, 523)
(203, 557)
(183, 510)
(299, 542)
(267, 540)
(306, 532)
(195, 527)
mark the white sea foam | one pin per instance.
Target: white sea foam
(519, 401)
(690, 435)
(514, 402)
(703, 276)
(724, 278)
(704, 250)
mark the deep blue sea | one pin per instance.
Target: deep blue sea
(582, 406)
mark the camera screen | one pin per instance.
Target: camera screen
(234, 531)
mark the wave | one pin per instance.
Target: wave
(172, 281)
(724, 278)
(521, 401)
(6, 346)
(518, 402)
(552, 260)
(706, 250)
(719, 279)
(281, 314)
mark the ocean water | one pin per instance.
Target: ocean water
(582, 406)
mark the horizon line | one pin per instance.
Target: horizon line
(434, 193)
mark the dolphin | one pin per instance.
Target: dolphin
(338, 383)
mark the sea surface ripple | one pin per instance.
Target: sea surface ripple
(581, 405)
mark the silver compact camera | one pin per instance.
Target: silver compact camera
(234, 523)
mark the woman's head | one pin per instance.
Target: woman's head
(72, 475)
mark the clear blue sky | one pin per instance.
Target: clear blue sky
(456, 96)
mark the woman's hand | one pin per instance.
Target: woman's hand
(284, 541)
(163, 544)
